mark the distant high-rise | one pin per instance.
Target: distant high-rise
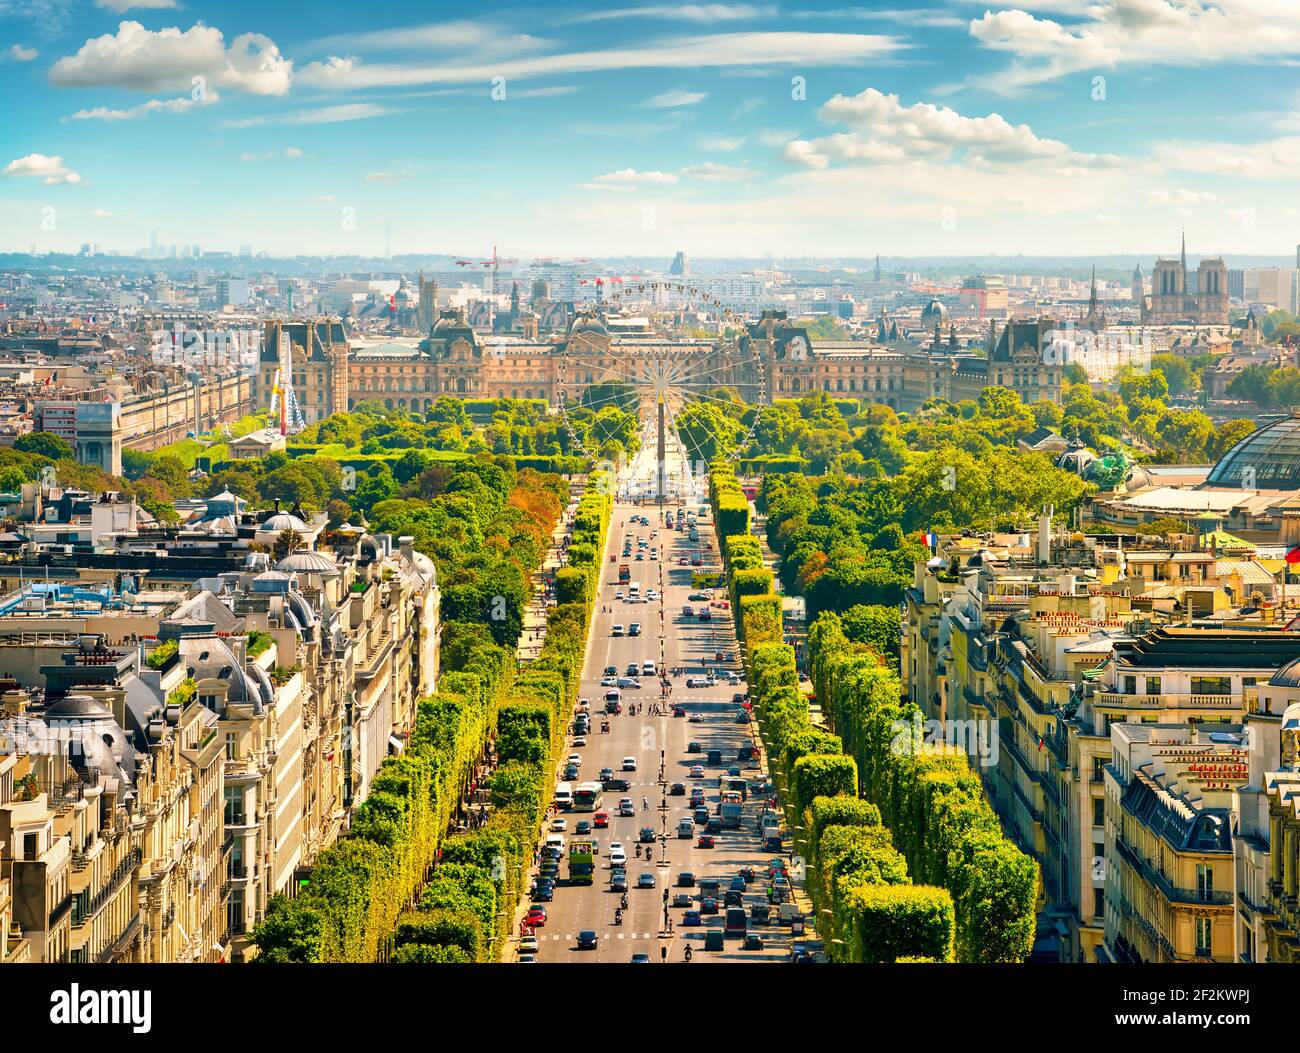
(681, 266)
(427, 312)
(1138, 288)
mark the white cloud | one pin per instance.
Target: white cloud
(630, 176)
(1277, 159)
(383, 177)
(325, 197)
(619, 187)
(169, 59)
(686, 13)
(721, 143)
(49, 170)
(101, 213)
(348, 111)
(21, 54)
(715, 172)
(103, 113)
(289, 151)
(543, 93)
(1181, 198)
(1114, 33)
(292, 151)
(119, 6)
(675, 97)
(458, 37)
(886, 132)
(701, 52)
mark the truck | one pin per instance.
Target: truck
(624, 573)
(694, 535)
(731, 810)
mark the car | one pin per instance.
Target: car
(559, 824)
(536, 916)
(618, 883)
(697, 771)
(571, 773)
(677, 789)
(738, 699)
(704, 615)
(705, 841)
(640, 958)
(742, 716)
(686, 829)
(640, 556)
(708, 905)
(544, 891)
(606, 773)
(683, 561)
(629, 764)
(734, 772)
(652, 594)
(583, 827)
(617, 629)
(732, 898)
(698, 681)
(634, 629)
(706, 596)
(746, 874)
(753, 942)
(527, 959)
(575, 759)
(685, 879)
(648, 668)
(714, 825)
(580, 739)
(732, 678)
(611, 670)
(633, 669)
(613, 705)
(682, 899)
(697, 796)
(609, 681)
(601, 820)
(688, 611)
(633, 683)
(626, 807)
(612, 695)
(693, 747)
(647, 835)
(692, 917)
(616, 784)
(679, 711)
(696, 561)
(645, 880)
(697, 718)
(587, 940)
(702, 815)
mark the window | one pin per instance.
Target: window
(31, 846)
(1247, 943)
(1153, 685)
(1204, 937)
(1099, 811)
(232, 746)
(1099, 903)
(1130, 685)
(1211, 685)
(1204, 882)
(1098, 769)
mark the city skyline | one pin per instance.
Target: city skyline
(721, 129)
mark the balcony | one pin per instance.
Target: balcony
(1172, 701)
(1173, 893)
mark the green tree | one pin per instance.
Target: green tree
(46, 444)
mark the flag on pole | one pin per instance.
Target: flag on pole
(930, 539)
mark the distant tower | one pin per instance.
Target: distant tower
(1096, 320)
(427, 313)
(681, 266)
(1138, 287)
(878, 262)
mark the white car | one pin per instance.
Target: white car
(618, 595)
(609, 681)
(559, 825)
(629, 764)
(617, 855)
(652, 594)
(580, 740)
(698, 681)
(575, 759)
(528, 945)
(616, 630)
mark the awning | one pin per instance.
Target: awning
(395, 745)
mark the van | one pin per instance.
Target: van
(555, 841)
(714, 757)
(736, 923)
(564, 795)
(714, 940)
(634, 589)
(787, 912)
(648, 668)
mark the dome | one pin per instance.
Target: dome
(1266, 459)
(1287, 676)
(588, 323)
(935, 311)
(78, 707)
(305, 561)
(284, 521)
(1076, 459)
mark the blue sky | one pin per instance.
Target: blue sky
(1035, 126)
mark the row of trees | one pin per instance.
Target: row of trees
(929, 798)
(352, 908)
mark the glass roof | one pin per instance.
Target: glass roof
(1266, 459)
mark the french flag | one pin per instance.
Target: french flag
(931, 539)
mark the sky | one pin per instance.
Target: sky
(1049, 127)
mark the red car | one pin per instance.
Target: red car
(705, 841)
(601, 820)
(683, 562)
(536, 917)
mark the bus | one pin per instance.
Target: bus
(736, 783)
(730, 810)
(582, 866)
(587, 797)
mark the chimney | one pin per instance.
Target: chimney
(407, 543)
(1045, 536)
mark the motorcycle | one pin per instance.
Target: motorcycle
(618, 917)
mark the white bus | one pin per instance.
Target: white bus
(564, 795)
(587, 797)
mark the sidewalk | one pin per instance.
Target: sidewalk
(533, 634)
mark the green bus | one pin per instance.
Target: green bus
(582, 863)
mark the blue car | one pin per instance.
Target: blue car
(691, 917)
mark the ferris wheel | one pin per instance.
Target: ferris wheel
(616, 396)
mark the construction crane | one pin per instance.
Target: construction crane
(495, 263)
